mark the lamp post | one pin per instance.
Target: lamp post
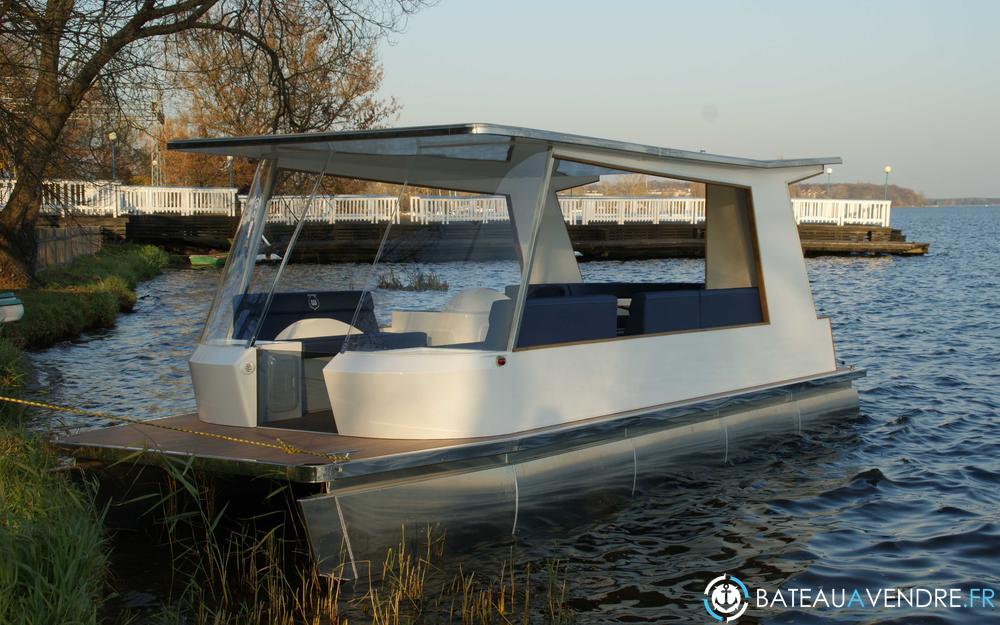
(113, 137)
(829, 171)
(885, 188)
(152, 173)
(229, 163)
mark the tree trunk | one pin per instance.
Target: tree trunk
(17, 219)
(17, 233)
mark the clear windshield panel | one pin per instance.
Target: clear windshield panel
(238, 273)
(443, 276)
(307, 279)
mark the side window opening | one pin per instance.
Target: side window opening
(667, 294)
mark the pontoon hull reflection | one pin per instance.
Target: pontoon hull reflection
(549, 481)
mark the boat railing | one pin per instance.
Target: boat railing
(108, 198)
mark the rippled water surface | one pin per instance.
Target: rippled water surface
(908, 494)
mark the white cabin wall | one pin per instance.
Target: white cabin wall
(729, 253)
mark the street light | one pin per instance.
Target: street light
(885, 188)
(829, 171)
(152, 172)
(229, 163)
(113, 137)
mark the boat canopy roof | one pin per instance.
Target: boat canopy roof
(469, 142)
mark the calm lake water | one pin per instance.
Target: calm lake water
(907, 494)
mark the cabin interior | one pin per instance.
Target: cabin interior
(300, 317)
(364, 312)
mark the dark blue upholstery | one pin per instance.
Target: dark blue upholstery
(321, 346)
(500, 316)
(664, 311)
(618, 289)
(551, 320)
(287, 308)
(728, 307)
(539, 290)
(627, 290)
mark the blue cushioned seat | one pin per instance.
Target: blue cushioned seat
(729, 307)
(663, 311)
(287, 308)
(538, 290)
(618, 289)
(551, 320)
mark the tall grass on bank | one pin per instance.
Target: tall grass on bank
(53, 555)
(256, 570)
(84, 295)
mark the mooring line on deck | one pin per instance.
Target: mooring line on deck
(277, 444)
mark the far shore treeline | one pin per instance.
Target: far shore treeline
(900, 196)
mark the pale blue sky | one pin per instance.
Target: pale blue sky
(911, 84)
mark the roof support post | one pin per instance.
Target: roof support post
(538, 186)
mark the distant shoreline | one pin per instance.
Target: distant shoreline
(962, 201)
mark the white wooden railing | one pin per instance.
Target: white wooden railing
(176, 201)
(583, 210)
(331, 209)
(842, 212)
(114, 199)
(446, 209)
(621, 210)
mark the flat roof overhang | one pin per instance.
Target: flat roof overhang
(470, 141)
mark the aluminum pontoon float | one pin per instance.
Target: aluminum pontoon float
(532, 394)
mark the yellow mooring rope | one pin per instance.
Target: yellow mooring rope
(277, 444)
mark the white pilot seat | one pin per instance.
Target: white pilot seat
(464, 319)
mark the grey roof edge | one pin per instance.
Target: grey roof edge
(196, 145)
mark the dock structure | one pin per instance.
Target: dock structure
(349, 227)
(358, 241)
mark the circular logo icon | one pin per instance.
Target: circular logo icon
(726, 598)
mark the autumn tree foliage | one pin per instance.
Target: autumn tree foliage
(257, 65)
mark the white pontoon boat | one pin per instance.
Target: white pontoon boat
(515, 395)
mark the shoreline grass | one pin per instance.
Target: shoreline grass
(55, 554)
(253, 568)
(53, 551)
(85, 295)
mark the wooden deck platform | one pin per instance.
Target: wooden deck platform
(313, 433)
(368, 457)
